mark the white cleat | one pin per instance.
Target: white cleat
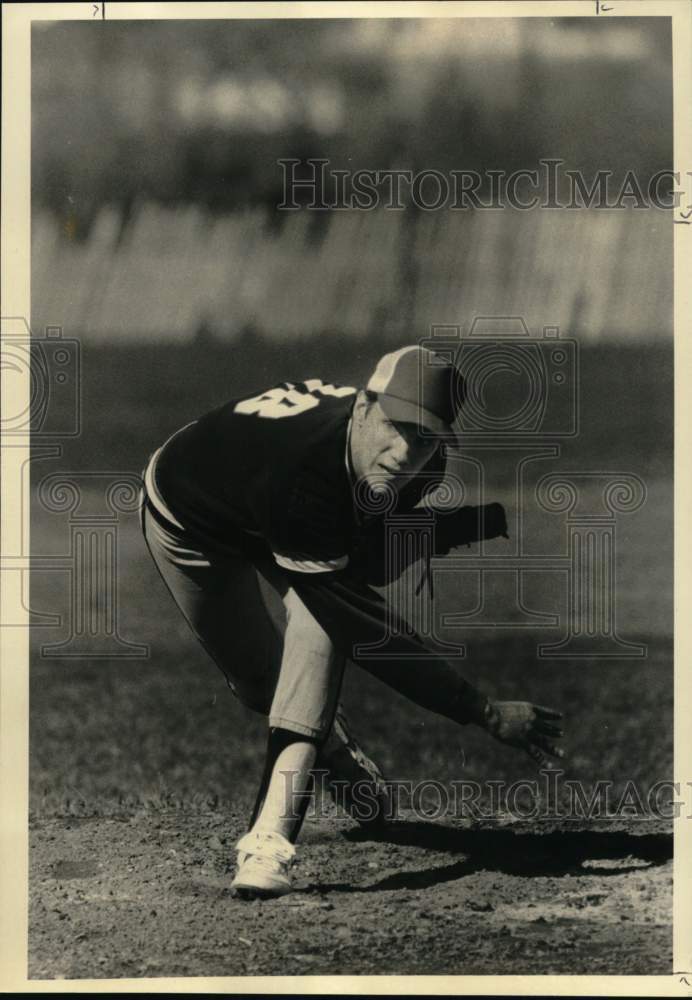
(264, 862)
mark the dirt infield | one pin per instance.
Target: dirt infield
(148, 896)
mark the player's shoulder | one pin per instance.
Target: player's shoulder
(275, 427)
(303, 402)
(308, 424)
(303, 485)
(293, 422)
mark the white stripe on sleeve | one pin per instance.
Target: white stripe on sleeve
(311, 565)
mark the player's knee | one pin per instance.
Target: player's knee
(254, 697)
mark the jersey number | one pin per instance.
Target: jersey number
(287, 401)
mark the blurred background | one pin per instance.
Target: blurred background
(156, 181)
(158, 246)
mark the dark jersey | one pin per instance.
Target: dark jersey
(274, 469)
(275, 466)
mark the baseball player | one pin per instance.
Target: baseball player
(274, 500)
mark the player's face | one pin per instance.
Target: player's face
(385, 451)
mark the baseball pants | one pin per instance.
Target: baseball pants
(276, 657)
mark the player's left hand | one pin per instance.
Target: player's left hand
(533, 728)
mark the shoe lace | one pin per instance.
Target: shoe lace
(267, 863)
(267, 849)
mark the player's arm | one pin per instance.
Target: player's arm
(463, 526)
(355, 618)
(453, 527)
(467, 525)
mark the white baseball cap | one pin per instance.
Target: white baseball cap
(415, 385)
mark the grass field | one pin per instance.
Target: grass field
(143, 763)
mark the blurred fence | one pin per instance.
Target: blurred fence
(173, 272)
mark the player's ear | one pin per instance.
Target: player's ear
(364, 401)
